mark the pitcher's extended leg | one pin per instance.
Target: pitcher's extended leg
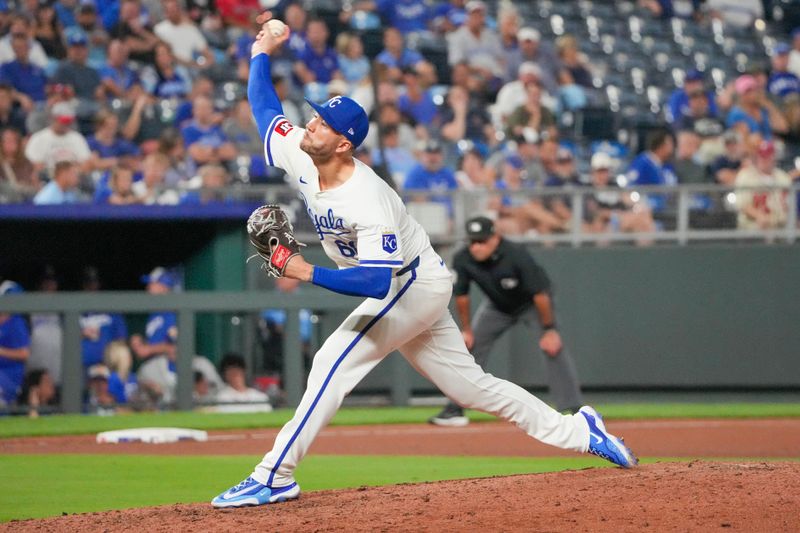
(439, 354)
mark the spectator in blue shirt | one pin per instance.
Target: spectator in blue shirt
(107, 146)
(118, 189)
(408, 16)
(417, 102)
(395, 55)
(166, 79)
(157, 349)
(755, 117)
(295, 17)
(449, 15)
(652, 167)
(678, 104)
(116, 75)
(318, 62)
(399, 160)
(98, 329)
(432, 175)
(784, 86)
(204, 138)
(65, 11)
(62, 189)
(15, 345)
(782, 83)
(352, 61)
(26, 78)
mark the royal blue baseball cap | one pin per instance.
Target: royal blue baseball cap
(77, 38)
(781, 49)
(160, 275)
(515, 161)
(345, 116)
(694, 75)
(10, 287)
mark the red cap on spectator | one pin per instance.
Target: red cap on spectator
(63, 112)
(766, 149)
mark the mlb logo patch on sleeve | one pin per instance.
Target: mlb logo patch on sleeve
(283, 127)
(389, 242)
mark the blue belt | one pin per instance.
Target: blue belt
(409, 267)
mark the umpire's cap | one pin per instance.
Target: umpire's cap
(345, 116)
(479, 228)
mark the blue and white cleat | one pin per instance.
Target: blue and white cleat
(604, 444)
(251, 492)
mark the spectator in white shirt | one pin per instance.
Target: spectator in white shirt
(514, 94)
(58, 142)
(235, 390)
(182, 35)
(477, 45)
(21, 24)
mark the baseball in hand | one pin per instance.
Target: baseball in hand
(276, 27)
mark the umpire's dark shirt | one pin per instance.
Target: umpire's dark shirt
(509, 278)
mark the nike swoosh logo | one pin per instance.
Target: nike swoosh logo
(231, 495)
(303, 181)
(598, 437)
(441, 262)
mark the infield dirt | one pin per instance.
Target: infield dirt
(698, 495)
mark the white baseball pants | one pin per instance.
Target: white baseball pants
(414, 319)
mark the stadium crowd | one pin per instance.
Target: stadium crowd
(143, 102)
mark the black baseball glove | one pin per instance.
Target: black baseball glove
(272, 235)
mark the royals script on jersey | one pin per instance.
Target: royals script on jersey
(362, 222)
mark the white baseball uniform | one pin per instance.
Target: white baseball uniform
(363, 222)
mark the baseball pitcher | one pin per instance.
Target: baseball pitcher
(383, 256)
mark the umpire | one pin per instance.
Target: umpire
(517, 289)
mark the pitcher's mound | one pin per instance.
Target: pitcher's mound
(695, 496)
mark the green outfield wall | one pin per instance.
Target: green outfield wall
(698, 316)
(709, 315)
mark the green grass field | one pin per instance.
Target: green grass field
(83, 483)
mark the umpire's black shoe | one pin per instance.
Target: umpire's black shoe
(451, 416)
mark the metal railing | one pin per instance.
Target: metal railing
(186, 305)
(447, 228)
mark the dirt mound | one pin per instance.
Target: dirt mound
(695, 496)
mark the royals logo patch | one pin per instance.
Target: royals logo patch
(389, 242)
(283, 128)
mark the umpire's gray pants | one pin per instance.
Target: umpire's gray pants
(489, 324)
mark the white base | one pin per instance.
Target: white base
(151, 435)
